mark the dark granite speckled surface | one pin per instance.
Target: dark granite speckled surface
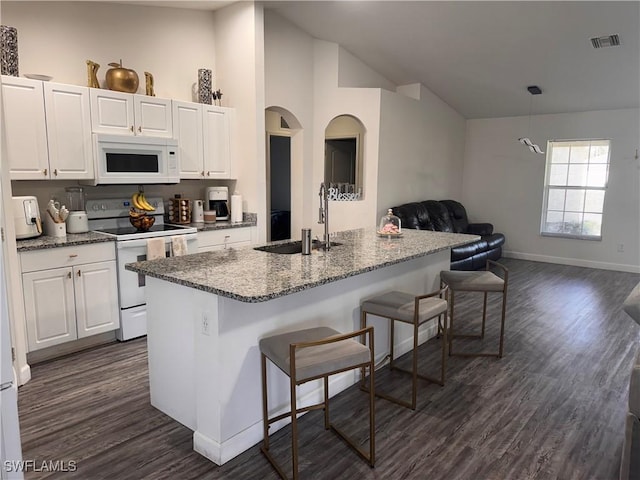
(248, 275)
(44, 241)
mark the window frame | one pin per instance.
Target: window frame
(547, 188)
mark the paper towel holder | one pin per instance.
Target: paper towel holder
(236, 208)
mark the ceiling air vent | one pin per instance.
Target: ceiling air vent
(606, 41)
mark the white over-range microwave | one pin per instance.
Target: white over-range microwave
(120, 159)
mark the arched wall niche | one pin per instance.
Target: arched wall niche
(344, 157)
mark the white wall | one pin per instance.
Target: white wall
(56, 38)
(289, 87)
(421, 149)
(239, 32)
(503, 184)
(352, 72)
(330, 102)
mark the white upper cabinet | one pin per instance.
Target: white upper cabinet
(205, 138)
(25, 128)
(121, 113)
(187, 118)
(48, 133)
(68, 131)
(217, 128)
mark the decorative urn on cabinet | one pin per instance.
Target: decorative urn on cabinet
(122, 79)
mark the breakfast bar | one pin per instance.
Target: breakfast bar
(206, 313)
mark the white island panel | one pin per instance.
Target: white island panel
(208, 377)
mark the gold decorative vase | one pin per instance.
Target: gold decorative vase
(122, 79)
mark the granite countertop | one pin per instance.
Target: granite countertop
(205, 227)
(247, 275)
(72, 239)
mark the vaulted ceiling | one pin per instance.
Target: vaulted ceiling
(480, 56)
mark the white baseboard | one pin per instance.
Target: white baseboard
(24, 374)
(576, 262)
(221, 453)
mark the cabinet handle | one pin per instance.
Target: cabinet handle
(131, 128)
(69, 275)
(140, 129)
(44, 172)
(55, 172)
(73, 255)
(202, 173)
(79, 273)
(208, 174)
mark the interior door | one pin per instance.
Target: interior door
(280, 186)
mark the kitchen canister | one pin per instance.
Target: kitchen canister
(8, 50)
(236, 208)
(204, 85)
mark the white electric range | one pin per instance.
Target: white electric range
(110, 216)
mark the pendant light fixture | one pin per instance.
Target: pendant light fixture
(534, 148)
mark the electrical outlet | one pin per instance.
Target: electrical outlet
(620, 248)
(205, 324)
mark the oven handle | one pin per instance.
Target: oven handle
(142, 242)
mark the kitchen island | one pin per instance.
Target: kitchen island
(206, 313)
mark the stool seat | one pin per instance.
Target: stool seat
(401, 306)
(315, 361)
(472, 281)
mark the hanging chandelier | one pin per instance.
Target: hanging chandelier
(534, 148)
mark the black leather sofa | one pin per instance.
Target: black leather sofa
(451, 216)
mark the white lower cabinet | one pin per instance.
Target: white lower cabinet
(211, 240)
(69, 293)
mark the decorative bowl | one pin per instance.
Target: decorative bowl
(142, 222)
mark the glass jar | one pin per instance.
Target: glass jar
(389, 225)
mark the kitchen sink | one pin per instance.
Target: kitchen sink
(292, 247)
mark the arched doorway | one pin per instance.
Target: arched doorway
(281, 128)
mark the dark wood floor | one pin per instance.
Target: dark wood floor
(552, 408)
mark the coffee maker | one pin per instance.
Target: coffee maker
(217, 199)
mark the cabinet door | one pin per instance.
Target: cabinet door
(68, 131)
(49, 307)
(217, 154)
(187, 127)
(25, 129)
(111, 112)
(153, 116)
(96, 298)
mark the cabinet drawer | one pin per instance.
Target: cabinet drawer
(67, 256)
(220, 237)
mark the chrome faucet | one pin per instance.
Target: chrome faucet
(323, 213)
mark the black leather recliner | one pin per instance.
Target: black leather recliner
(451, 216)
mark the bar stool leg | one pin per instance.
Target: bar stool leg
(265, 420)
(294, 426)
(484, 314)
(391, 342)
(504, 311)
(443, 363)
(414, 373)
(451, 323)
(326, 403)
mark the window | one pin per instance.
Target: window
(574, 188)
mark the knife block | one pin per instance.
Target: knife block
(54, 229)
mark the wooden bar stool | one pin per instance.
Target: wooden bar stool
(484, 281)
(311, 354)
(414, 310)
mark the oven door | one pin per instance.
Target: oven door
(131, 284)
